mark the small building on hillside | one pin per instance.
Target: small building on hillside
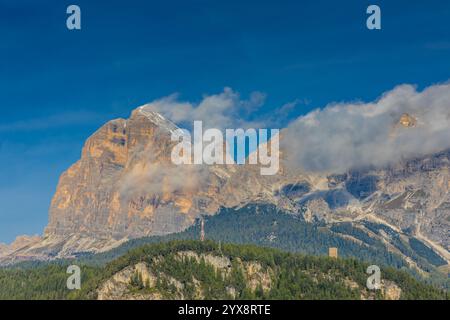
(333, 252)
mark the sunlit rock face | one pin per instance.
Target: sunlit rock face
(407, 121)
(125, 184)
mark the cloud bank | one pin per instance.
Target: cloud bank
(348, 136)
(224, 110)
(338, 137)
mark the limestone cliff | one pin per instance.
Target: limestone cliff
(125, 185)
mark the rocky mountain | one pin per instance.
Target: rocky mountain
(125, 186)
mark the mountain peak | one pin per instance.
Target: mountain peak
(407, 121)
(156, 118)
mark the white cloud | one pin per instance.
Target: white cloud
(356, 135)
(223, 110)
(339, 137)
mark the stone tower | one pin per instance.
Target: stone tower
(333, 252)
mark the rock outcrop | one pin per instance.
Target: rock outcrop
(160, 278)
(124, 185)
(140, 281)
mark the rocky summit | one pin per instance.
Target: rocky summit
(125, 186)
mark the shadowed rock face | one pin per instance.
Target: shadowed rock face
(414, 196)
(361, 186)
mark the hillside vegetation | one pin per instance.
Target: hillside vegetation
(208, 270)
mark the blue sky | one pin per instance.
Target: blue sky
(58, 86)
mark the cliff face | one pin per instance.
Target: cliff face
(415, 197)
(125, 185)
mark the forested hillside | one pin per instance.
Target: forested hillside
(209, 270)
